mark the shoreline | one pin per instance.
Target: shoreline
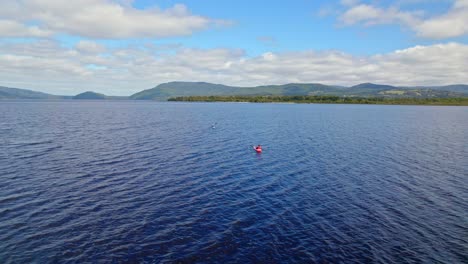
(463, 102)
(312, 103)
(450, 101)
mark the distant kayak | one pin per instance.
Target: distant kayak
(257, 149)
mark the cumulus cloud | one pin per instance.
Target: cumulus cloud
(370, 15)
(103, 19)
(50, 67)
(89, 47)
(453, 23)
(10, 28)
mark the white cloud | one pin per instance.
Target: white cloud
(103, 19)
(370, 15)
(269, 56)
(453, 23)
(90, 47)
(49, 67)
(10, 28)
(360, 13)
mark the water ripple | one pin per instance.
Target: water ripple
(156, 183)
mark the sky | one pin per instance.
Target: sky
(120, 47)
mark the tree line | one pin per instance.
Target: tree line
(324, 99)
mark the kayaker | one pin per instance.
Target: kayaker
(258, 148)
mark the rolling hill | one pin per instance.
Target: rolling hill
(173, 89)
(176, 89)
(15, 93)
(165, 91)
(90, 96)
(457, 88)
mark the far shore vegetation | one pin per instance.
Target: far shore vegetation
(325, 99)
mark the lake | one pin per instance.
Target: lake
(152, 182)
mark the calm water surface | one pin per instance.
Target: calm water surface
(156, 183)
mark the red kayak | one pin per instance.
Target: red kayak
(257, 149)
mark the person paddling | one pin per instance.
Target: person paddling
(258, 148)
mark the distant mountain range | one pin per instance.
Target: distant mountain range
(174, 89)
(15, 93)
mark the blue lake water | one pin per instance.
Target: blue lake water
(124, 181)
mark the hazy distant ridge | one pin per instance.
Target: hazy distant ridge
(15, 93)
(90, 96)
(176, 89)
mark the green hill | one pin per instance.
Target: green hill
(90, 96)
(165, 91)
(368, 89)
(378, 90)
(178, 89)
(457, 88)
(174, 89)
(15, 93)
